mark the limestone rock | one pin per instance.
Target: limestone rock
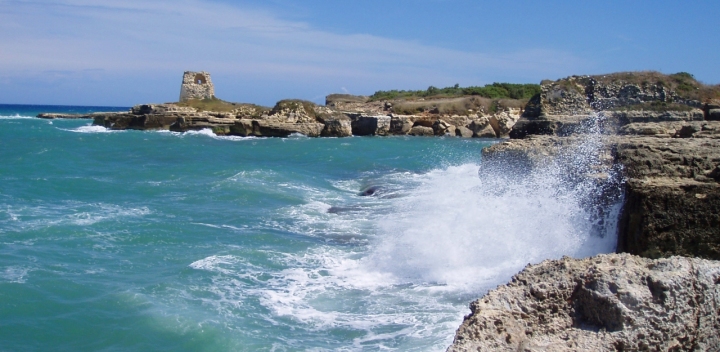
(502, 122)
(482, 128)
(139, 122)
(337, 127)
(364, 125)
(441, 128)
(463, 132)
(143, 109)
(293, 111)
(51, 116)
(400, 124)
(645, 157)
(614, 302)
(422, 131)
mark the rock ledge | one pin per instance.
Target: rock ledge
(613, 302)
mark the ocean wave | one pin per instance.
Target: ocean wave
(207, 132)
(326, 289)
(69, 213)
(14, 274)
(90, 129)
(16, 116)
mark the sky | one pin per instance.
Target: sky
(127, 52)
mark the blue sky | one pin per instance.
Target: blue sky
(125, 52)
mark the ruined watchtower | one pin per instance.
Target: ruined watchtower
(196, 85)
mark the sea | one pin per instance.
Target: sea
(162, 241)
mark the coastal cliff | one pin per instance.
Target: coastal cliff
(303, 117)
(661, 132)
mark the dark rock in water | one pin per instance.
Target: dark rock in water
(52, 116)
(338, 210)
(370, 191)
(614, 302)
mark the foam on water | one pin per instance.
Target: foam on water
(449, 237)
(272, 248)
(15, 116)
(91, 129)
(63, 214)
(207, 132)
(471, 233)
(14, 274)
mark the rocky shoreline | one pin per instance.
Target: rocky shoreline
(336, 119)
(670, 163)
(661, 133)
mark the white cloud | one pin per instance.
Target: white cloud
(164, 36)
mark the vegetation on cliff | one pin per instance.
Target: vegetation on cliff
(456, 106)
(219, 105)
(682, 83)
(491, 91)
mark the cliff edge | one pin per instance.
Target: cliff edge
(613, 302)
(662, 134)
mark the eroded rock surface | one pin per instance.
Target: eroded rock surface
(613, 302)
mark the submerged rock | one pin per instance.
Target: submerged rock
(614, 302)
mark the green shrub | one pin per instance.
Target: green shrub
(492, 91)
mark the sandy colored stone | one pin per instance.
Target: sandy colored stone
(614, 302)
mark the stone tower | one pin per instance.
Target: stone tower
(196, 85)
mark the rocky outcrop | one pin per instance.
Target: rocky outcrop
(672, 192)
(614, 302)
(670, 159)
(422, 131)
(286, 118)
(622, 98)
(667, 149)
(364, 125)
(51, 116)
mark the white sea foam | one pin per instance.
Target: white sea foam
(204, 132)
(451, 234)
(209, 133)
(16, 116)
(470, 233)
(447, 238)
(14, 274)
(91, 129)
(68, 213)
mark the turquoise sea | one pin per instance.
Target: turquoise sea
(160, 241)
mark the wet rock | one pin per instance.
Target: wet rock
(276, 129)
(370, 191)
(139, 122)
(51, 116)
(713, 115)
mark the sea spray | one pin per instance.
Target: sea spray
(470, 232)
